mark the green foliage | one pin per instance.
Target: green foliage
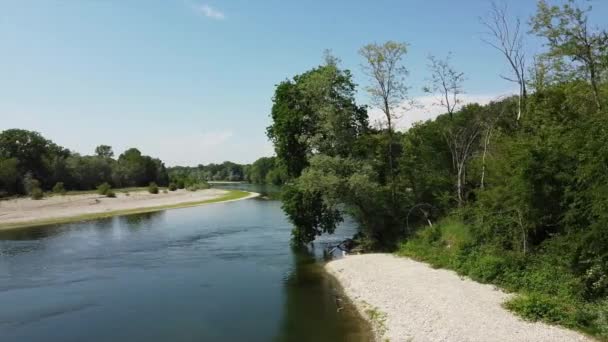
(310, 215)
(59, 189)
(521, 202)
(172, 187)
(153, 188)
(551, 290)
(111, 194)
(267, 171)
(9, 176)
(227, 171)
(30, 183)
(198, 186)
(316, 111)
(26, 155)
(537, 307)
(36, 193)
(104, 151)
(104, 189)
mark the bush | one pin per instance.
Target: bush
(538, 307)
(30, 183)
(165, 191)
(180, 184)
(103, 189)
(59, 188)
(110, 193)
(193, 187)
(172, 186)
(153, 188)
(36, 193)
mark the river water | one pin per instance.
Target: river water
(218, 272)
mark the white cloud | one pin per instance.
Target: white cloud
(211, 12)
(426, 109)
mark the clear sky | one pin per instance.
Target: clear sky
(191, 81)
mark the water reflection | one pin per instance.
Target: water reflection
(138, 221)
(330, 318)
(221, 272)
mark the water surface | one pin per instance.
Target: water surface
(219, 272)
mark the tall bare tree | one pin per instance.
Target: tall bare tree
(388, 91)
(507, 37)
(446, 82)
(461, 141)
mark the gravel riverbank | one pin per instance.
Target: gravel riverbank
(410, 301)
(54, 209)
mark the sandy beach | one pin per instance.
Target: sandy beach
(410, 301)
(23, 211)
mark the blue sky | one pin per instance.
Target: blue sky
(191, 81)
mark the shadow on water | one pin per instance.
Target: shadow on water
(315, 309)
(140, 221)
(133, 222)
(193, 274)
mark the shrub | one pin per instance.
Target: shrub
(180, 184)
(153, 188)
(165, 191)
(36, 193)
(172, 186)
(110, 193)
(30, 183)
(103, 189)
(538, 307)
(487, 268)
(59, 188)
(193, 187)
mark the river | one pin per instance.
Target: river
(217, 272)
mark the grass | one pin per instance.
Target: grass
(377, 319)
(546, 289)
(230, 196)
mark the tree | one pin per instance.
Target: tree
(507, 38)
(568, 35)
(104, 151)
(461, 139)
(388, 90)
(9, 176)
(315, 112)
(445, 81)
(32, 151)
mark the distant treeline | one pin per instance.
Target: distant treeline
(28, 160)
(265, 170)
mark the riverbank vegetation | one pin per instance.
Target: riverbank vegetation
(30, 165)
(265, 170)
(514, 192)
(28, 161)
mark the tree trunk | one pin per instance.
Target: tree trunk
(459, 186)
(596, 92)
(483, 157)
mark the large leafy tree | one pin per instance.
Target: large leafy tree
(32, 151)
(315, 112)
